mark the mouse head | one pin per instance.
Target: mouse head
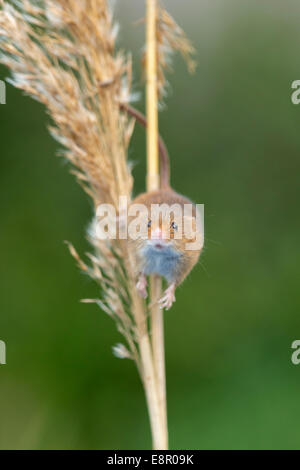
(164, 227)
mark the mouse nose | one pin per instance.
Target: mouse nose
(157, 234)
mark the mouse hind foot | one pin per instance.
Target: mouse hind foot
(168, 298)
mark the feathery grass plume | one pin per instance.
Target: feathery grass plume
(62, 53)
(170, 38)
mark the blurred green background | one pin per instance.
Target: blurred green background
(234, 139)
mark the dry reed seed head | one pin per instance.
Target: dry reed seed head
(62, 53)
(59, 54)
(170, 38)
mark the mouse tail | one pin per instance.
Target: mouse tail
(164, 158)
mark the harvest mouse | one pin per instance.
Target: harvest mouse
(162, 247)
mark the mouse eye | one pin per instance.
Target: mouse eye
(149, 223)
(174, 226)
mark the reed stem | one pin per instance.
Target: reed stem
(157, 327)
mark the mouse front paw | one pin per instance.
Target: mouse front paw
(168, 298)
(142, 286)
